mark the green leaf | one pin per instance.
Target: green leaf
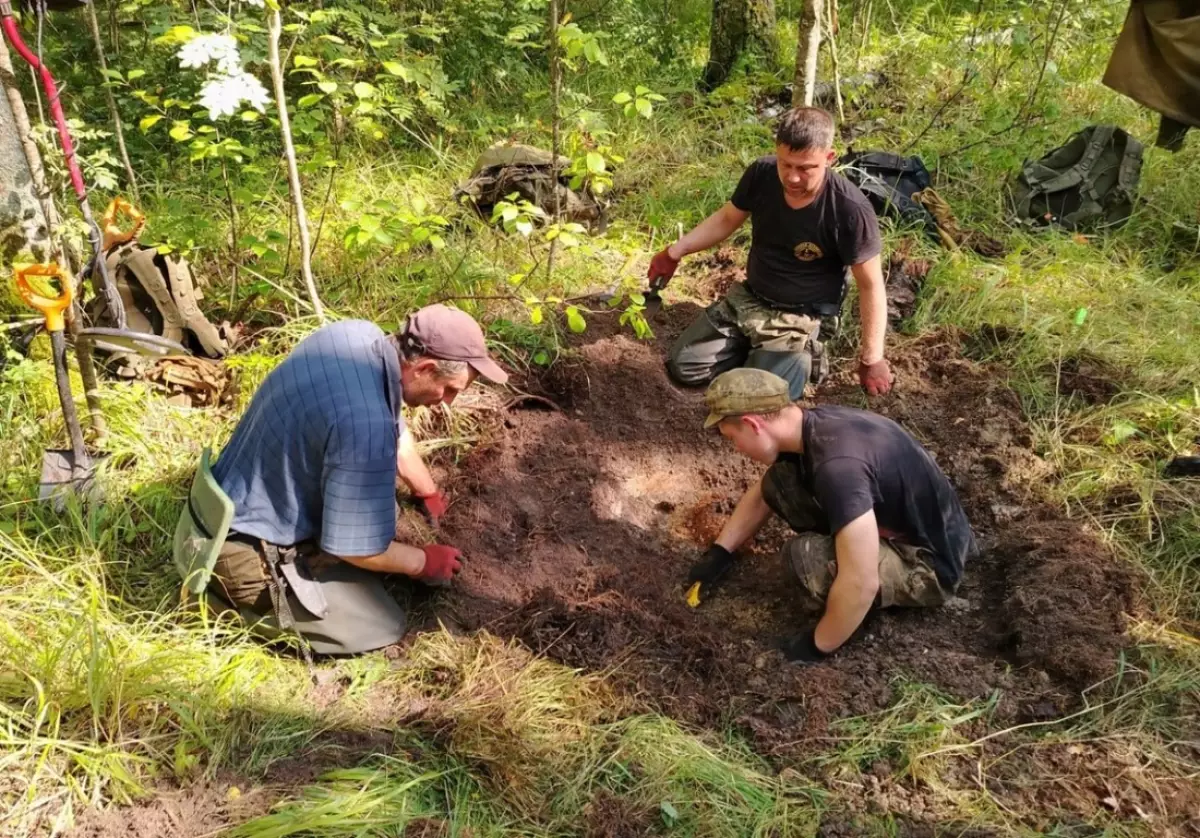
(524, 227)
(1080, 316)
(509, 213)
(621, 98)
(395, 68)
(541, 358)
(176, 35)
(644, 107)
(575, 321)
(595, 162)
(363, 90)
(309, 100)
(669, 812)
(327, 87)
(148, 122)
(437, 241)
(1121, 431)
(535, 315)
(181, 131)
(250, 116)
(305, 61)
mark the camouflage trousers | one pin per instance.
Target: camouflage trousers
(906, 577)
(358, 613)
(744, 331)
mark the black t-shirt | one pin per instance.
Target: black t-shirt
(855, 460)
(801, 257)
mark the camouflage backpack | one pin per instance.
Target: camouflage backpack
(1089, 183)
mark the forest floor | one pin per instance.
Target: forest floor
(561, 687)
(595, 487)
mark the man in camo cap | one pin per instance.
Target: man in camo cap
(879, 524)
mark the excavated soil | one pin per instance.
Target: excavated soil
(578, 527)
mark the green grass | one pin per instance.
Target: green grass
(109, 691)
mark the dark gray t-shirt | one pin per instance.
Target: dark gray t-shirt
(801, 257)
(855, 461)
(314, 456)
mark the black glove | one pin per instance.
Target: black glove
(713, 566)
(802, 648)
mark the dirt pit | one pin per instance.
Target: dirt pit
(578, 527)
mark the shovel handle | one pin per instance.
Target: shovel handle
(52, 308)
(113, 234)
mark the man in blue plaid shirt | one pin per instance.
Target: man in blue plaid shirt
(311, 469)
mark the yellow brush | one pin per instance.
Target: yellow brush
(693, 595)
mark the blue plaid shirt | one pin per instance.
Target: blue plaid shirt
(314, 457)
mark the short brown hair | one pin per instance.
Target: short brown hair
(802, 129)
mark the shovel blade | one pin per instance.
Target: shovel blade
(62, 475)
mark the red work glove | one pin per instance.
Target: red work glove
(441, 563)
(435, 505)
(876, 379)
(662, 265)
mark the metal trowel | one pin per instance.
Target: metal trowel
(654, 297)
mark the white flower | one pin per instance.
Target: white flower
(223, 94)
(202, 49)
(256, 3)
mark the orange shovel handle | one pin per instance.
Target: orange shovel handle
(114, 235)
(51, 307)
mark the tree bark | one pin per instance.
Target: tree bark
(114, 114)
(274, 27)
(808, 47)
(50, 220)
(738, 26)
(26, 210)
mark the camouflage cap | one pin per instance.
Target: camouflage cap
(742, 391)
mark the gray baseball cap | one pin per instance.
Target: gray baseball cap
(450, 334)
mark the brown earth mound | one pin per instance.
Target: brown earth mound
(578, 527)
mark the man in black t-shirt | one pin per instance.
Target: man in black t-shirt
(879, 522)
(812, 228)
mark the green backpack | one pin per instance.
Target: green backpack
(1087, 184)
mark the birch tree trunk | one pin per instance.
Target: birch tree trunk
(807, 49)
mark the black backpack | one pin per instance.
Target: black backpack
(1088, 183)
(889, 181)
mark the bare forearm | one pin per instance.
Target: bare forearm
(872, 309)
(398, 558)
(849, 600)
(747, 519)
(712, 230)
(856, 584)
(412, 468)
